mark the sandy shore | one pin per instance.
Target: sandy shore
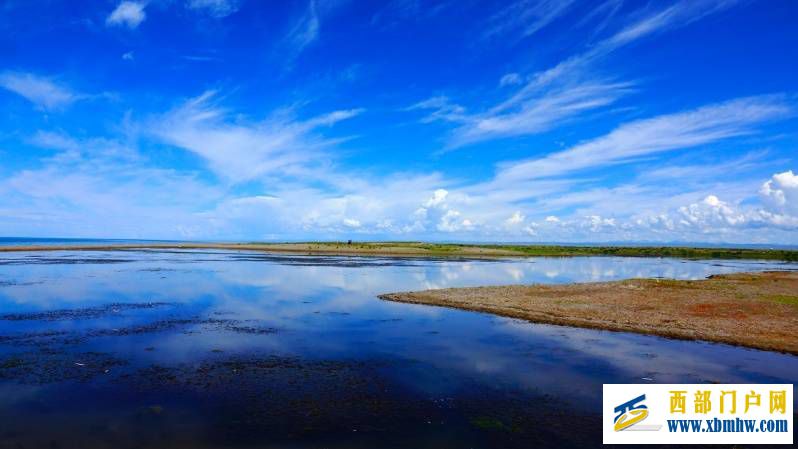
(406, 249)
(758, 310)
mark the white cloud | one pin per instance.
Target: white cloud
(306, 30)
(510, 79)
(781, 193)
(282, 180)
(537, 113)
(351, 222)
(241, 152)
(128, 56)
(437, 199)
(41, 91)
(451, 222)
(711, 213)
(674, 16)
(95, 187)
(526, 17)
(516, 219)
(534, 115)
(214, 8)
(596, 223)
(443, 109)
(566, 90)
(46, 139)
(96, 181)
(127, 13)
(651, 136)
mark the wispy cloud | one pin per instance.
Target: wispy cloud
(127, 13)
(441, 109)
(306, 29)
(651, 136)
(675, 16)
(201, 58)
(538, 113)
(510, 79)
(41, 91)
(241, 152)
(526, 17)
(214, 8)
(547, 98)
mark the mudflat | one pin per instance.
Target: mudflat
(757, 310)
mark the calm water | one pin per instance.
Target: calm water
(204, 349)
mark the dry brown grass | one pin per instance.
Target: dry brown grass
(757, 310)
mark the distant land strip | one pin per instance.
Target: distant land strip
(442, 249)
(400, 249)
(757, 310)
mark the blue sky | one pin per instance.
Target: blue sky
(533, 121)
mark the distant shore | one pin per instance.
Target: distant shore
(417, 249)
(757, 310)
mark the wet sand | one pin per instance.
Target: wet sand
(404, 249)
(757, 310)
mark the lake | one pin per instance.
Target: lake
(202, 349)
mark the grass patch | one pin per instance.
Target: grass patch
(783, 299)
(567, 250)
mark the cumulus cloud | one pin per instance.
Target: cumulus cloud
(437, 199)
(781, 193)
(351, 222)
(96, 181)
(41, 91)
(127, 13)
(710, 214)
(515, 219)
(713, 215)
(451, 222)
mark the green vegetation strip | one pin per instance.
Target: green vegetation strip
(451, 249)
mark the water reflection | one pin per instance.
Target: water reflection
(298, 342)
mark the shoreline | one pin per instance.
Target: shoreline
(755, 310)
(415, 249)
